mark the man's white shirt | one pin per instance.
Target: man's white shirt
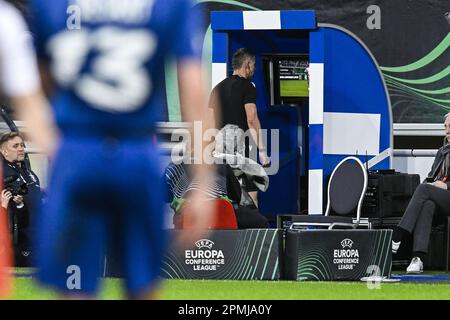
(18, 68)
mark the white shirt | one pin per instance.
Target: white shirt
(18, 68)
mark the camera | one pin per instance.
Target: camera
(15, 185)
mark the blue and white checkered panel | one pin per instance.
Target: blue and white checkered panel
(315, 173)
(351, 133)
(250, 20)
(316, 86)
(218, 73)
(315, 192)
(263, 20)
(220, 47)
(219, 56)
(316, 107)
(357, 113)
(283, 20)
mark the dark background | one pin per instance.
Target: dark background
(410, 29)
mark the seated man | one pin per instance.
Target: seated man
(430, 197)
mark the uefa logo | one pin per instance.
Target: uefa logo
(204, 243)
(346, 243)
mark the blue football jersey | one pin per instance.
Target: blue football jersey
(107, 57)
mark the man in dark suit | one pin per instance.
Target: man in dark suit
(430, 197)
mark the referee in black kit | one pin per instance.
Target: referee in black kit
(233, 101)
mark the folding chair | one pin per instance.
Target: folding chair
(346, 190)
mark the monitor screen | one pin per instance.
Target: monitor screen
(293, 77)
(287, 79)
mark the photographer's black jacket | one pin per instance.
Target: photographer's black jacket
(33, 198)
(22, 223)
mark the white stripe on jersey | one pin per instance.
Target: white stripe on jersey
(18, 69)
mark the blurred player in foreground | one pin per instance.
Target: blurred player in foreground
(19, 80)
(106, 61)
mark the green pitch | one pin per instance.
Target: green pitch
(294, 88)
(25, 288)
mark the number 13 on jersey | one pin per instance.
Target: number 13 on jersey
(115, 80)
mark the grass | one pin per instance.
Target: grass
(26, 288)
(288, 290)
(294, 88)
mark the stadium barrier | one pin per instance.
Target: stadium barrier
(251, 254)
(263, 254)
(329, 255)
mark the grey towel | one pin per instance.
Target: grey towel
(229, 148)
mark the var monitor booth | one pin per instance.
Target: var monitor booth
(320, 94)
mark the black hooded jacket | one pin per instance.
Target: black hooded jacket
(442, 159)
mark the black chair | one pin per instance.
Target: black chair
(346, 190)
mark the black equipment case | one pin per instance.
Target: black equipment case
(388, 193)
